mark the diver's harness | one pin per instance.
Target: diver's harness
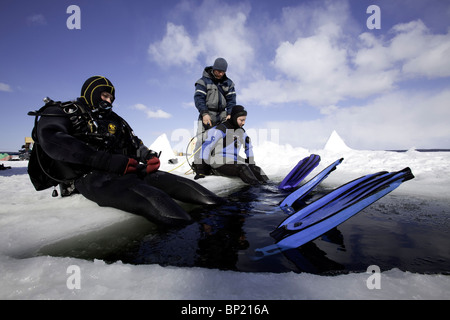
(79, 117)
(75, 112)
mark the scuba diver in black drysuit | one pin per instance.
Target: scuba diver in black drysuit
(86, 147)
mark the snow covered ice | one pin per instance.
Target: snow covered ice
(31, 220)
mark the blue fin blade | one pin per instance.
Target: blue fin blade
(309, 186)
(299, 172)
(328, 198)
(362, 193)
(298, 239)
(341, 207)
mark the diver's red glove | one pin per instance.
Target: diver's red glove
(153, 165)
(131, 166)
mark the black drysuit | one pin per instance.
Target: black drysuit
(91, 149)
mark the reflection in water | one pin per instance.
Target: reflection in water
(310, 258)
(220, 242)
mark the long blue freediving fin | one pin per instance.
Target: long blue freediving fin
(305, 189)
(299, 172)
(333, 209)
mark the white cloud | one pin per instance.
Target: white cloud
(318, 70)
(175, 49)
(328, 110)
(5, 87)
(432, 52)
(399, 120)
(311, 59)
(188, 105)
(306, 18)
(37, 19)
(327, 66)
(228, 37)
(160, 114)
(372, 55)
(222, 32)
(413, 50)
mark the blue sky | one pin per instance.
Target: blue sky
(302, 68)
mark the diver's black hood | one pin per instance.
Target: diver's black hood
(237, 112)
(92, 90)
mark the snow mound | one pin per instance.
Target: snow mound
(336, 144)
(162, 144)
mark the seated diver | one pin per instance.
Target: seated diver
(220, 151)
(86, 147)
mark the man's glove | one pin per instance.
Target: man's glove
(116, 163)
(153, 165)
(131, 166)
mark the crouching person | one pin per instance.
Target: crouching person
(220, 151)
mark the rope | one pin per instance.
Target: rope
(187, 159)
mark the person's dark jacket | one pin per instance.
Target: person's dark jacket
(214, 95)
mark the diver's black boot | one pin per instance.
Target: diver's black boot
(247, 175)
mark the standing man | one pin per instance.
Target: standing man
(214, 99)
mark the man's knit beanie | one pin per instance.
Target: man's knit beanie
(220, 64)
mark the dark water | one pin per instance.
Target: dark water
(397, 231)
